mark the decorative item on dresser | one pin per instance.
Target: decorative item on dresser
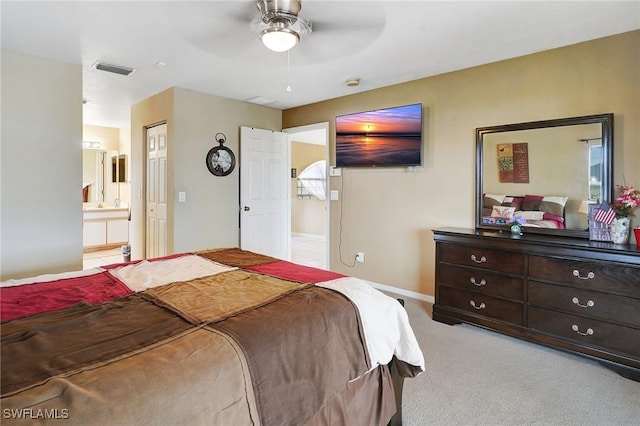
(625, 203)
(571, 294)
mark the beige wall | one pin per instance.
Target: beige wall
(209, 217)
(389, 214)
(109, 137)
(307, 215)
(41, 177)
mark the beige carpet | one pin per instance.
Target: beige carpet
(478, 377)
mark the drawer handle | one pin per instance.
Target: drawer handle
(482, 259)
(472, 303)
(478, 284)
(577, 330)
(589, 304)
(589, 276)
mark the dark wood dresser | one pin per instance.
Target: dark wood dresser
(576, 295)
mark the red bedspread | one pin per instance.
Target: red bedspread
(294, 272)
(29, 299)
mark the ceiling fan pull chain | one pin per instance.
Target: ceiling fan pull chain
(288, 89)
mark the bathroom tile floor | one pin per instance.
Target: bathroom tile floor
(100, 258)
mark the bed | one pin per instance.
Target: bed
(217, 337)
(537, 211)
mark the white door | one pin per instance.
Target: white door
(156, 191)
(265, 216)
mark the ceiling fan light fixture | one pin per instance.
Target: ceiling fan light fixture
(279, 39)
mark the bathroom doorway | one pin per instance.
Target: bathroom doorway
(309, 147)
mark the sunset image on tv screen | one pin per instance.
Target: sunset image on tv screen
(384, 137)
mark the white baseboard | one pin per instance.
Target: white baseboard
(302, 234)
(402, 292)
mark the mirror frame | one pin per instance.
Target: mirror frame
(606, 121)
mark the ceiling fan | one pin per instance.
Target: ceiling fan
(232, 29)
(280, 25)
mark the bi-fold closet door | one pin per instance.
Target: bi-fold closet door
(156, 198)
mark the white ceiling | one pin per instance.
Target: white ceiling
(210, 46)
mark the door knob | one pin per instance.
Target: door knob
(247, 208)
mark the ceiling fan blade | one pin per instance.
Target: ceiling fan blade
(371, 27)
(340, 30)
(218, 28)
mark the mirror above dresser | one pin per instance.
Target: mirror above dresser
(544, 172)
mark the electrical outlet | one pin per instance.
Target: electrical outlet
(360, 257)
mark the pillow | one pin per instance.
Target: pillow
(503, 212)
(530, 215)
(513, 202)
(491, 200)
(553, 205)
(531, 202)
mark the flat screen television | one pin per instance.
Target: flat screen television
(389, 137)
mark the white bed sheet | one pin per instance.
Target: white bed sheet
(143, 275)
(385, 322)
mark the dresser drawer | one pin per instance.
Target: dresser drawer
(623, 280)
(617, 338)
(481, 280)
(587, 303)
(478, 257)
(480, 304)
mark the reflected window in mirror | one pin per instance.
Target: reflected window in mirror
(595, 172)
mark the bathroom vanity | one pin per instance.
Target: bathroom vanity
(104, 226)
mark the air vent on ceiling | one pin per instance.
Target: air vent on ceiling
(259, 100)
(116, 69)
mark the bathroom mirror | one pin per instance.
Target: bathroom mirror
(549, 169)
(99, 175)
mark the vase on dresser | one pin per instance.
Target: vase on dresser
(620, 228)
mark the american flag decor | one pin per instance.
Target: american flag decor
(604, 214)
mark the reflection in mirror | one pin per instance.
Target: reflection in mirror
(543, 172)
(595, 171)
(98, 177)
(92, 175)
(118, 168)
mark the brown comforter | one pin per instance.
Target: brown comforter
(231, 349)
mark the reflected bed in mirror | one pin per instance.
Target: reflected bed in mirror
(543, 172)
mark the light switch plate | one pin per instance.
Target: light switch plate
(335, 195)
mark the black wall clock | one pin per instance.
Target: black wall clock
(220, 160)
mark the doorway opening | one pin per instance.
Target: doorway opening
(309, 238)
